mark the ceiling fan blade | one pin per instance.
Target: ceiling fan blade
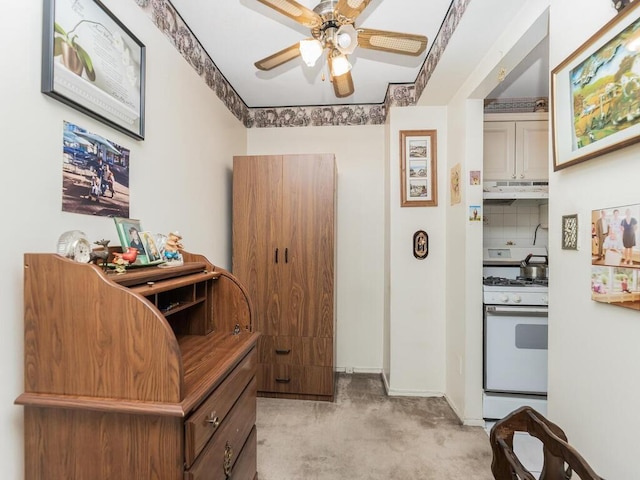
(343, 85)
(278, 58)
(394, 42)
(295, 11)
(351, 8)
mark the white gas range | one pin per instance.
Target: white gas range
(515, 332)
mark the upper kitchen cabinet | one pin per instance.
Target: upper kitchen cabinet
(516, 146)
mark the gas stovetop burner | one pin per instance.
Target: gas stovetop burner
(514, 282)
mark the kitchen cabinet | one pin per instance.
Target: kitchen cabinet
(516, 147)
(283, 251)
(146, 374)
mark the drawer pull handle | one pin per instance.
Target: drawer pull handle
(228, 457)
(213, 420)
(283, 380)
(283, 352)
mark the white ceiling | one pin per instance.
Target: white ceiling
(237, 33)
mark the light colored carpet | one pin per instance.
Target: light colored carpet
(367, 435)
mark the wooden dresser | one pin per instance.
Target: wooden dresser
(150, 374)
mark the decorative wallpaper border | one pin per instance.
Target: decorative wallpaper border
(168, 20)
(515, 105)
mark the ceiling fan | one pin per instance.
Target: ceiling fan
(332, 27)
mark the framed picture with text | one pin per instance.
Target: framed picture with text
(93, 63)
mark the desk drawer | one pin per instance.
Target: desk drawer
(246, 466)
(203, 423)
(220, 455)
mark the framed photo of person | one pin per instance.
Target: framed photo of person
(129, 234)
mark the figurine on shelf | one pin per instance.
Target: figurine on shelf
(124, 259)
(120, 263)
(172, 248)
(100, 256)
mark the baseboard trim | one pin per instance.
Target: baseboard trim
(349, 370)
(469, 422)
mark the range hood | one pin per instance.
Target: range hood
(508, 191)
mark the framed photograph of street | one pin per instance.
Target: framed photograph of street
(93, 63)
(595, 93)
(418, 177)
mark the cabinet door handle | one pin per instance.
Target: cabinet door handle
(283, 380)
(286, 255)
(283, 352)
(276, 255)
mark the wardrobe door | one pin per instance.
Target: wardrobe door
(308, 227)
(257, 250)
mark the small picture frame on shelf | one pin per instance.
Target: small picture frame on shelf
(129, 230)
(150, 247)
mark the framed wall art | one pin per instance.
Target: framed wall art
(615, 256)
(418, 175)
(595, 93)
(570, 232)
(420, 244)
(93, 63)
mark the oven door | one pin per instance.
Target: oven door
(515, 349)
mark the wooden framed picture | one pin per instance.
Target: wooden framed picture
(418, 164)
(595, 93)
(93, 63)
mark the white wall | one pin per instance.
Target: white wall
(417, 302)
(464, 297)
(594, 385)
(464, 267)
(179, 178)
(360, 153)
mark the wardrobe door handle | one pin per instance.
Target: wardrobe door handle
(276, 255)
(286, 255)
(283, 352)
(283, 380)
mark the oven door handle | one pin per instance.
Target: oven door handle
(518, 310)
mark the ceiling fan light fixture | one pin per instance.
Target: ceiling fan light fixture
(346, 39)
(310, 51)
(339, 65)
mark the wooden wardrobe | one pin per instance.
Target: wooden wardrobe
(283, 252)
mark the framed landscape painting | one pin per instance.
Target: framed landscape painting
(595, 93)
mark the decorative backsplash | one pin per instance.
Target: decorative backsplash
(166, 18)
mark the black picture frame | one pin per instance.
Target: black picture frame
(420, 244)
(93, 63)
